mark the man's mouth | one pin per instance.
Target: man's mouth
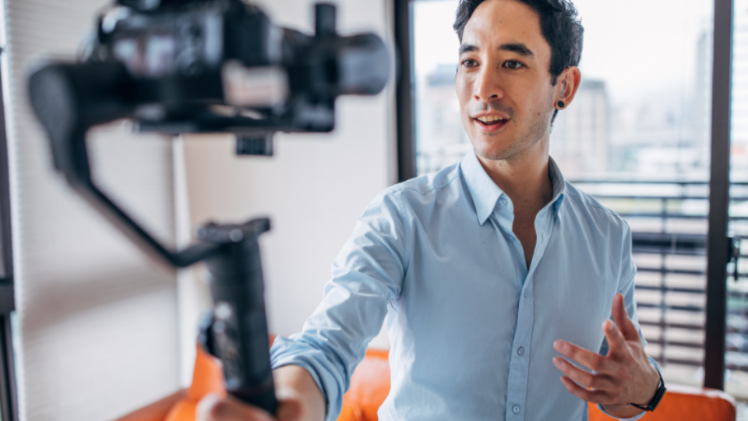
(490, 123)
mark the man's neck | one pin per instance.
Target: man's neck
(525, 179)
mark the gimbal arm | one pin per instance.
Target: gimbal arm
(69, 99)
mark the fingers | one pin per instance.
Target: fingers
(595, 381)
(625, 324)
(591, 360)
(594, 396)
(617, 346)
(213, 408)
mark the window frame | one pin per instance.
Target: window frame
(406, 134)
(8, 390)
(719, 197)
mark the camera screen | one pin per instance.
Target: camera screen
(152, 55)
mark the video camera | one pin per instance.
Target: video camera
(186, 66)
(206, 66)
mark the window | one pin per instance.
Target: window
(736, 357)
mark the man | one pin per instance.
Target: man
(492, 274)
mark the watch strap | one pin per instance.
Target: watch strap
(657, 396)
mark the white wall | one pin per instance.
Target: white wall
(315, 186)
(97, 320)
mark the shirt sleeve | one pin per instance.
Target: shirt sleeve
(366, 276)
(626, 288)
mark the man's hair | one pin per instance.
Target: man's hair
(560, 25)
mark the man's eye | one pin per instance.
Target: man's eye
(511, 64)
(469, 63)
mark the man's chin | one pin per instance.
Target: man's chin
(492, 151)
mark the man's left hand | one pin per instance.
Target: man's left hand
(622, 377)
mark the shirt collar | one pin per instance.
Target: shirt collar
(558, 183)
(482, 189)
(485, 192)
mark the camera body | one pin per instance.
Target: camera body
(223, 66)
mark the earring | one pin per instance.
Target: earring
(561, 105)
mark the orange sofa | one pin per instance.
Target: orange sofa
(370, 385)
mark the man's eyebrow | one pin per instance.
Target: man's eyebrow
(467, 48)
(518, 48)
(515, 47)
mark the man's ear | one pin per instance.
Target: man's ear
(567, 86)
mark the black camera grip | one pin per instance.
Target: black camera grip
(239, 329)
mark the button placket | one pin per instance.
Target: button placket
(518, 364)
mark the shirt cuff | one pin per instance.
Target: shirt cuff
(289, 352)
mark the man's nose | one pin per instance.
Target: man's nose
(487, 87)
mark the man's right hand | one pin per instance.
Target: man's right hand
(299, 399)
(213, 408)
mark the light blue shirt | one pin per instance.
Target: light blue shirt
(471, 328)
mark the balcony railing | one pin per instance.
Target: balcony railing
(669, 227)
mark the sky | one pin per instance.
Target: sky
(641, 48)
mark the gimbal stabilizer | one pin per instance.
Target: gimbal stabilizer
(177, 66)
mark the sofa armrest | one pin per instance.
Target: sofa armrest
(685, 403)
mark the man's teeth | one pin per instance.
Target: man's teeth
(490, 119)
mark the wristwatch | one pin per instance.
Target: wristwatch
(657, 397)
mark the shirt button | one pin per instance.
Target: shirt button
(521, 351)
(527, 292)
(515, 409)
(502, 201)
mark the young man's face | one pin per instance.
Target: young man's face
(504, 76)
